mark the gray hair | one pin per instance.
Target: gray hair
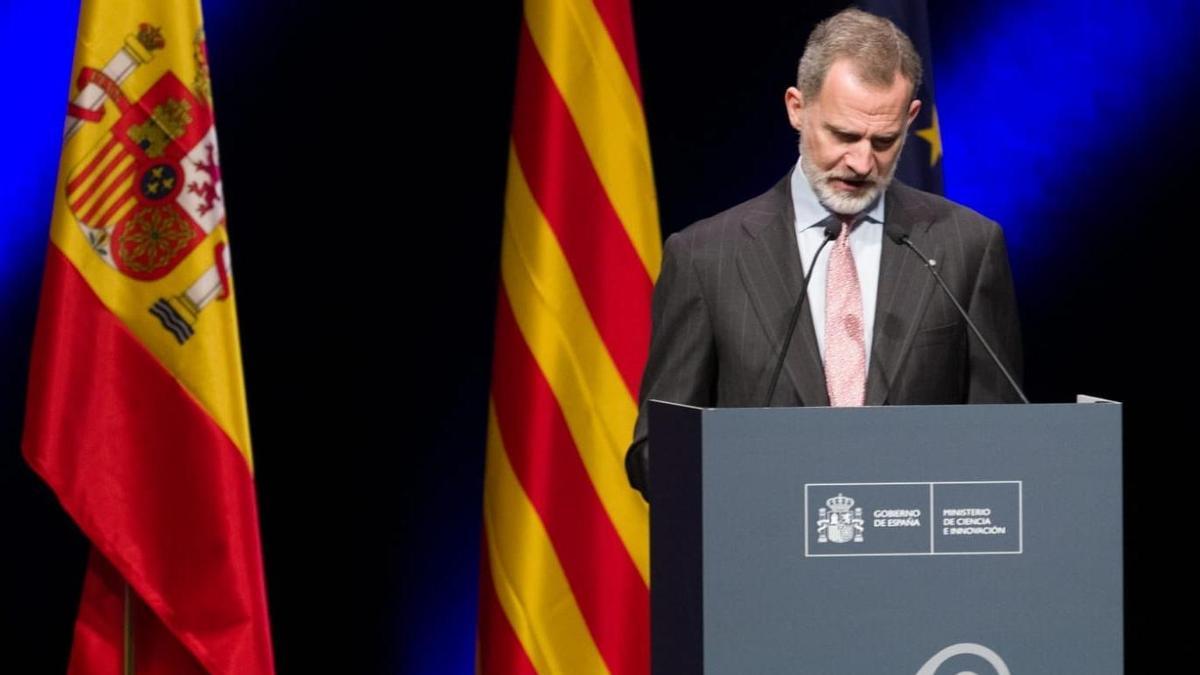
(873, 44)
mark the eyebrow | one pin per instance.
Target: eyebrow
(844, 132)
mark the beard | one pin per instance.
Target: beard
(842, 202)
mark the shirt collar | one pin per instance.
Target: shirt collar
(810, 212)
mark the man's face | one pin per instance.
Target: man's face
(851, 136)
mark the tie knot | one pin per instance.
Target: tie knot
(850, 223)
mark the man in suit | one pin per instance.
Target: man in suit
(875, 329)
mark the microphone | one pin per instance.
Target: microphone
(897, 235)
(833, 227)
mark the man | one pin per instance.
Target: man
(875, 329)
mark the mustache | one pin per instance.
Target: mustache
(866, 180)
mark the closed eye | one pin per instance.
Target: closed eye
(883, 143)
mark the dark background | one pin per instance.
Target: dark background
(364, 153)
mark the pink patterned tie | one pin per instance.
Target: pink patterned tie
(845, 353)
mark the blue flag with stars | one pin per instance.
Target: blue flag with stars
(921, 162)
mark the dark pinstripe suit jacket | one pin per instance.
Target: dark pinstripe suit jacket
(729, 282)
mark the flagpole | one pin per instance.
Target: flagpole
(127, 660)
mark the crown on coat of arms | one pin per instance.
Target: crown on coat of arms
(150, 37)
(840, 504)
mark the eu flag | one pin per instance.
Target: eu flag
(921, 162)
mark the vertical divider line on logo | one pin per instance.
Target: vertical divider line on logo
(1021, 517)
(806, 520)
(932, 546)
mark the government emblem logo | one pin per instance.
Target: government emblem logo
(839, 521)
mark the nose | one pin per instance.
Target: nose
(859, 158)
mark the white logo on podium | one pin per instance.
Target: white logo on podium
(840, 521)
(993, 659)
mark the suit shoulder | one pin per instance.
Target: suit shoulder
(943, 216)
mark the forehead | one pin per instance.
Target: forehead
(846, 101)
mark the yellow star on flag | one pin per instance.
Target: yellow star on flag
(933, 135)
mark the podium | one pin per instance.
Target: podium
(923, 540)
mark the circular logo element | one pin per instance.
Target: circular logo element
(971, 648)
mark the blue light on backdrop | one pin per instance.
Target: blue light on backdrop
(1041, 101)
(37, 41)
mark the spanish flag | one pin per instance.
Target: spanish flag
(136, 412)
(565, 565)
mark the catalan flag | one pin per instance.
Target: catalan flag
(565, 565)
(136, 413)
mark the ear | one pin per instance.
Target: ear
(793, 100)
(913, 109)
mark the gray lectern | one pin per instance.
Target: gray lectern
(870, 541)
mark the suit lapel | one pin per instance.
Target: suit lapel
(904, 291)
(769, 263)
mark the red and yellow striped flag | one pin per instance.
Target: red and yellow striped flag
(136, 412)
(565, 566)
